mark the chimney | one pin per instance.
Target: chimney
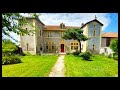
(82, 24)
(62, 25)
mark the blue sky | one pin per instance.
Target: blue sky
(110, 20)
(113, 26)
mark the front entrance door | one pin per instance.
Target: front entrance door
(62, 47)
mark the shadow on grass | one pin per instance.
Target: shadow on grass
(87, 60)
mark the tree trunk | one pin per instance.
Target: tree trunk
(80, 46)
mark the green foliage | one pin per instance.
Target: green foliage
(10, 23)
(10, 60)
(76, 53)
(115, 56)
(76, 34)
(86, 55)
(8, 47)
(109, 56)
(27, 54)
(114, 45)
(68, 53)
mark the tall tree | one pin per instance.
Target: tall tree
(76, 34)
(10, 23)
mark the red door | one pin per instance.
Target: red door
(62, 47)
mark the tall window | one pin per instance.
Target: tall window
(74, 46)
(94, 33)
(53, 47)
(27, 46)
(61, 33)
(93, 47)
(49, 34)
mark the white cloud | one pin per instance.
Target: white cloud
(73, 19)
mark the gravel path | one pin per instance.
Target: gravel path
(58, 69)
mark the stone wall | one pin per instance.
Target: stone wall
(94, 40)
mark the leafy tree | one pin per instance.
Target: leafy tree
(10, 23)
(76, 34)
(8, 47)
(114, 45)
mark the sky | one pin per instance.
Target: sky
(109, 20)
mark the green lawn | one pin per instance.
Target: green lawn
(31, 66)
(101, 66)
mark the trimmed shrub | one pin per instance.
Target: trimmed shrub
(10, 60)
(86, 55)
(76, 53)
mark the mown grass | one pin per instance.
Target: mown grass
(100, 66)
(31, 66)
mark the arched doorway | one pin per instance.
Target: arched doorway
(62, 48)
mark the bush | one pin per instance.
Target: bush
(76, 53)
(86, 55)
(109, 56)
(10, 60)
(115, 56)
(8, 47)
(68, 53)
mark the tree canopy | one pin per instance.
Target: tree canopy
(114, 45)
(76, 34)
(10, 23)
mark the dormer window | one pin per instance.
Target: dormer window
(62, 26)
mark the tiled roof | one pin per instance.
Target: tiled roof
(36, 19)
(55, 27)
(110, 34)
(91, 21)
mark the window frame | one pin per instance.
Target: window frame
(74, 45)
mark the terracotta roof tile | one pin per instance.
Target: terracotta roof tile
(53, 27)
(110, 34)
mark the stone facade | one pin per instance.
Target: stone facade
(47, 39)
(94, 35)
